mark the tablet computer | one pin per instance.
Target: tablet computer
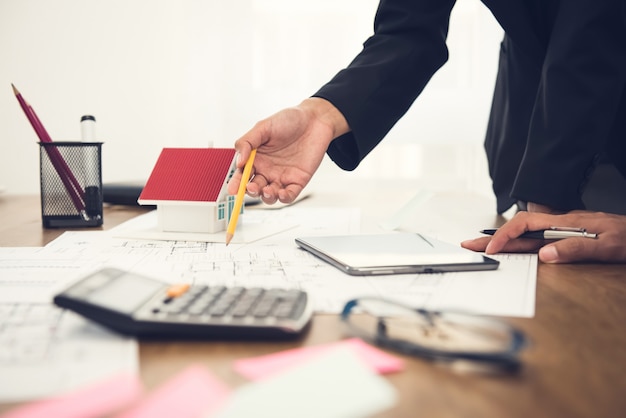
(394, 253)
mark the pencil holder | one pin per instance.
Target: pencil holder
(71, 184)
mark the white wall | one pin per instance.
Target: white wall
(159, 73)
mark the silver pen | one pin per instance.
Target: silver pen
(555, 232)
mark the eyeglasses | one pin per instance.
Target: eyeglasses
(457, 339)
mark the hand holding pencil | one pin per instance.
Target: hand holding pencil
(234, 216)
(291, 146)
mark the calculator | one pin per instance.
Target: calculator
(136, 305)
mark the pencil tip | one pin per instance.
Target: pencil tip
(15, 91)
(229, 237)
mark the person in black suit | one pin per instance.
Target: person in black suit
(559, 105)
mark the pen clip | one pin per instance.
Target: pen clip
(582, 231)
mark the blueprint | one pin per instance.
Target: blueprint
(276, 261)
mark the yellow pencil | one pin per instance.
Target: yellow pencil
(245, 177)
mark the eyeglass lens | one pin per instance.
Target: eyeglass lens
(445, 332)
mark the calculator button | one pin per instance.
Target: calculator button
(217, 290)
(196, 309)
(233, 292)
(197, 290)
(172, 309)
(219, 309)
(284, 309)
(177, 290)
(245, 303)
(264, 308)
(299, 306)
(254, 291)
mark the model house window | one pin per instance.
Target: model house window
(221, 211)
(231, 205)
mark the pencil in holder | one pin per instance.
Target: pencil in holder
(71, 184)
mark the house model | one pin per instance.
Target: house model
(188, 187)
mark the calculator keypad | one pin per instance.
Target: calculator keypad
(230, 304)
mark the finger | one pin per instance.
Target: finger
(521, 245)
(521, 222)
(244, 145)
(256, 185)
(233, 183)
(571, 249)
(253, 139)
(289, 193)
(512, 246)
(243, 149)
(253, 189)
(477, 244)
(269, 194)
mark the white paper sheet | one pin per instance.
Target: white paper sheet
(277, 262)
(45, 351)
(250, 228)
(335, 384)
(34, 275)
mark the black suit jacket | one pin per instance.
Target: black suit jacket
(559, 102)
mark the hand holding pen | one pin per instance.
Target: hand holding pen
(554, 232)
(592, 236)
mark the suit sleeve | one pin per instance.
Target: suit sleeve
(579, 104)
(381, 83)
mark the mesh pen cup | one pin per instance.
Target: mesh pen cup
(71, 184)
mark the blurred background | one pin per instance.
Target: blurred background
(194, 73)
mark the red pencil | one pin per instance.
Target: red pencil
(72, 185)
(43, 135)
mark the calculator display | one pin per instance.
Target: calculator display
(124, 294)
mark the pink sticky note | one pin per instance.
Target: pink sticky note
(194, 392)
(255, 368)
(97, 400)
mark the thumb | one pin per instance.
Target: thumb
(568, 250)
(233, 183)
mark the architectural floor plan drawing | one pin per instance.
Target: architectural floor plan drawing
(278, 261)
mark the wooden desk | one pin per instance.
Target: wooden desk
(576, 366)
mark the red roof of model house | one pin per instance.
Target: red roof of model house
(188, 174)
